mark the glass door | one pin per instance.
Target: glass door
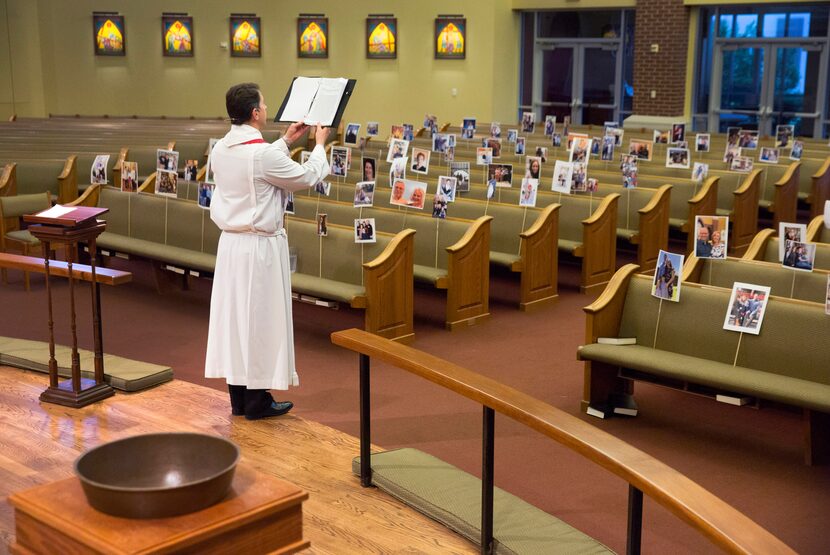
(739, 98)
(795, 95)
(579, 80)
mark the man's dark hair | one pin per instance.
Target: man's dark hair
(240, 100)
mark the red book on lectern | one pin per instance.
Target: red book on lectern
(66, 216)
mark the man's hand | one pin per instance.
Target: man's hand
(321, 134)
(294, 132)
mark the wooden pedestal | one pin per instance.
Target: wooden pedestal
(260, 515)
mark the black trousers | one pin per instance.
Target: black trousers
(250, 402)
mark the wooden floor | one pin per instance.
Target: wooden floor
(39, 443)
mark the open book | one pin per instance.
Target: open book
(316, 100)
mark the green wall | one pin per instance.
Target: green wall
(56, 72)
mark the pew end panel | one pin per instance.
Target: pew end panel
(704, 203)
(8, 188)
(602, 319)
(68, 181)
(820, 189)
(653, 233)
(390, 289)
(599, 245)
(784, 206)
(758, 247)
(116, 168)
(540, 260)
(149, 185)
(816, 232)
(89, 198)
(743, 219)
(468, 279)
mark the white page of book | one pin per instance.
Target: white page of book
(56, 211)
(299, 102)
(326, 102)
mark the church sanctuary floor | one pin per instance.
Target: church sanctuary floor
(39, 444)
(753, 459)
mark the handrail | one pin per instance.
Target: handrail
(724, 525)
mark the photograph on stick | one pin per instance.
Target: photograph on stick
(579, 177)
(420, 160)
(484, 156)
(607, 151)
(166, 183)
(364, 230)
(502, 174)
(364, 193)
(352, 132)
(206, 194)
(640, 149)
(191, 170)
(461, 172)
(747, 305)
(667, 276)
(446, 187)
(562, 174)
(439, 206)
(369, 166)
(711, 236)
(678, 133)
(409, 193)
(167, 160)
(397, 149)
(769, 155)
(784, 135)
(741, 164)
(580, 149)
(799, 255)
(338, 161)
(700, 172)
(322, 225)
(528, 194)
(129, 176)
(372, 128)
(797, 150)
(528, 122)
(323, 188)
(533, 167)
(677, 158)
(550, 125)
(790, 232)
(98, 172)
(702, 142)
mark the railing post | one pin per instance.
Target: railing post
(365, 424)
(635, 521)
(487, 452)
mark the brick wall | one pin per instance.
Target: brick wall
(666, 23)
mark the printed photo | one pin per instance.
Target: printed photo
(484, 156)
(364, 230)
(592, 184)
(579, 177)
(439, 206)
(795, 152)
(397, 170)
(352, 131)
(748, 139)
(788, 232)
(468, 128)
(397, 149)
(661, 137)
(732, 151)
(449, 154)
(323, 188)
(461, 172)
(533, 167)
(700, 172)
(682, 144)
(339, 161)
(446, 187)
(528, 195)
(741, 164)
(431, 122)
(580, 149)
(677, 158)
(667, 276)
(408, 132)
(711, 234)
(550, 125)
(191, 170)
(409, 193)
(369, 169)
(702, 142)
(747, 305)
(206, 194)
(166, 183)
(494, 145)
(617, 133)
(98, 171)
(640, 149)
(827, 300)
(607, 151)
(501, 174)
(289, 203)
(420, 160)
(562, 177)
(678, 132)
(167, 160)
(630, 170)
(596, 142)
(372, 128)
(520, 146)
(768, 155)
(733, 135)
(574, 136)
(541, 153)
(322, 225)
(364, 193)
(440, 142)
(528, 122)
(397, 132)
(304, 156)
(129, 177)
(556, 140)
(512, 135)
(799, 255)
(209, 173)
(783, 135)
(495, 129)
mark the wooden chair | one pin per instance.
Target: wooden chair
(14, 237)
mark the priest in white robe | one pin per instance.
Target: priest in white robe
(250, 337)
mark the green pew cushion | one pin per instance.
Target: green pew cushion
(178, 256)
(428, 274)
(121, 373)
(453, 498)
(325, 288)
(676, 223)
(503, 258)
(726, 212)
(23, 236)
(763, 203)
(626, 234)
(568, 246)
(766, 385)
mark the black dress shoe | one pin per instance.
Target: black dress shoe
(237, 394)
(276, 409)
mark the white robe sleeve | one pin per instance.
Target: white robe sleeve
(280, 170)
(283, 146)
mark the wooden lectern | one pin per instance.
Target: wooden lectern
(70, 225)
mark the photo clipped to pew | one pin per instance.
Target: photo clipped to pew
(364, 194)
(790, 231)
(206, 194)
(364, 230)
(746, 308)
(799, 255)
(129, 176)
(667, 276)
(711, 236)
(98, 172)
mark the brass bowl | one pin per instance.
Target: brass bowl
(157, 475)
